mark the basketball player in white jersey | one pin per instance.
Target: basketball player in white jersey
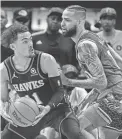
(111, 35)
(105, 76)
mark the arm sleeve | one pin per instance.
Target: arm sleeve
(57, 87)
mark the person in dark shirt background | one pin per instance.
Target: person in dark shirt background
(23, 16)
(53, 42)
(5, 52)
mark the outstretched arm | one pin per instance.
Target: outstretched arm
(88, 53)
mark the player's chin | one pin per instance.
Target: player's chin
(31, 55)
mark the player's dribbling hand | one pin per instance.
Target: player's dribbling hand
(44, 111)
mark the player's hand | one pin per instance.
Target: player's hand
(44, 111)
(13, 95)
(5, 114)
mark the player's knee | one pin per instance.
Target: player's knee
(71, 131)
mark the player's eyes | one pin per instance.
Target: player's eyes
(67, 20)
(25, 42)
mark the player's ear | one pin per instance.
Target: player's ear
(80, 21)
(12, 46)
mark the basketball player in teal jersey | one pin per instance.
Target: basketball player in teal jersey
(31, 72)
(109, 33)
(105, 76)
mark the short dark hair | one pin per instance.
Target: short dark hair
(10, 34)
(77, 9)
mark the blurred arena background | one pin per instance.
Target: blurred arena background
(38, 11)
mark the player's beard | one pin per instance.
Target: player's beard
(71, 32)
(107, 28)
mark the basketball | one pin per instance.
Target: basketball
(23, 111)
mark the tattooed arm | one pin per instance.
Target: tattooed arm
(88, 53)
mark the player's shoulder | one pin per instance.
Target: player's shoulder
(2, 66)
(86, 45)
(47, 57)
(48, 63)
(3, 71)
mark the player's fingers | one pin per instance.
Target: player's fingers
(36, 121)
(39, 116)
(41, 107)
(8, 118)
(10, 121)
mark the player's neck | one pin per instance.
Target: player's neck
(21, 63)
(79, 33)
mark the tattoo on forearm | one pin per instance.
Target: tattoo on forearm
(99, 80)
(93, 65)
(91, 59)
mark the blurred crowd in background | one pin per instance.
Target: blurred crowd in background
(37, 17)
(44, 24)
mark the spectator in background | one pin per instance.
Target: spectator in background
(5, 52)
(22, 16)
(53, 42)
(111, 35)
(3, 20)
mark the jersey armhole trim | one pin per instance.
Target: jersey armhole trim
(41, 74)
(8, 70)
